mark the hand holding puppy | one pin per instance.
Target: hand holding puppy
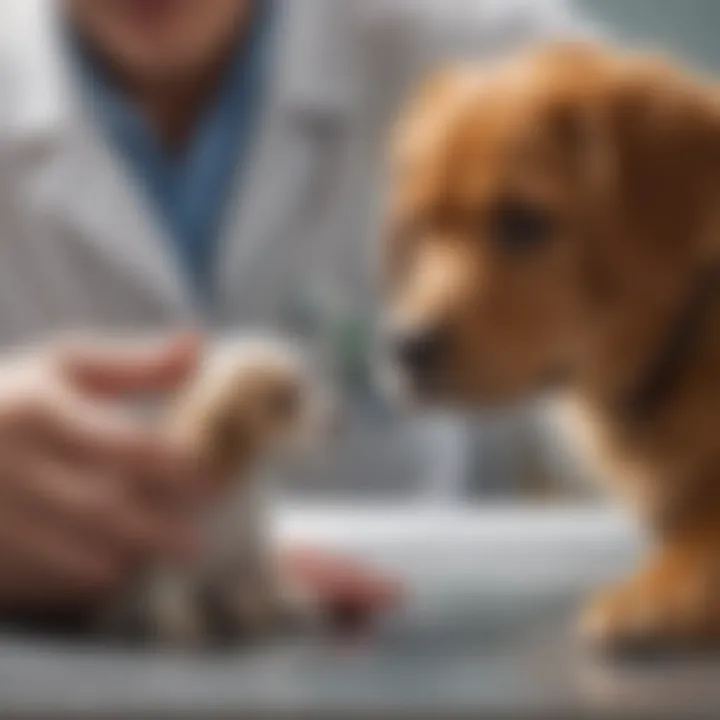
(80, 478)
(74, 469)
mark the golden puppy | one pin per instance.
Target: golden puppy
(252, 402)
(554, 221)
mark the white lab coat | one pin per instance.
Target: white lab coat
(80, 247)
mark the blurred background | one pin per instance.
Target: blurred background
(683, 29)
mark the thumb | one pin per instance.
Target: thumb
(128, 368)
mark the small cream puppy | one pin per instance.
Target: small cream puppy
(253, 402)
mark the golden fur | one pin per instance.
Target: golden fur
(622, 155)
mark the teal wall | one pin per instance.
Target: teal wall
(689, 28)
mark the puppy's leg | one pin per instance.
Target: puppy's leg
(674, 599)
(161, 609)
(255, 600)
(299, 609)
(175, 616)
(246, 609)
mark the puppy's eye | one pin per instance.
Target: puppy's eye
(285, 402)
(519, 226)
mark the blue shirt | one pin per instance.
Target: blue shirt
(191, 190)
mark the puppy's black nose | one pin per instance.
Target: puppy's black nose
(418, 351)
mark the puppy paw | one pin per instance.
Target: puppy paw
(171, 617)
(181, 630)
(161, 627)
(664, 608)
(623, 618)
(256, 613)
(243, 614)
(299, 610)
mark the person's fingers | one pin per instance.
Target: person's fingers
(69, 547)
(131, 368)
(339, 581)
(72, 424)
(40, 557)
(146, 529)
(350, 595)
(84, 433)
(100, 506)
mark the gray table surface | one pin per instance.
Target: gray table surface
(486, 632)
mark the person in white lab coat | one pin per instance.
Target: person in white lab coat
(167, 164)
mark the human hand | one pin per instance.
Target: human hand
(76, 471)
(348, 592)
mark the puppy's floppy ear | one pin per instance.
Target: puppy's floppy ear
(573, 118)
(666, 129)
(576, 127)
(436, 88)
(430, 102)
(422, 120)
(645, 140)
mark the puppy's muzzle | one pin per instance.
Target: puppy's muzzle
(419, 352)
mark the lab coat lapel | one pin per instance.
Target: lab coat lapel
(309, 105)
(78, 179)
(101, 207)
(309, 108)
